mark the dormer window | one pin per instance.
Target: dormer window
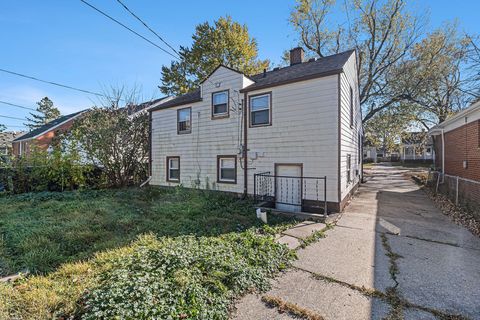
(220, 107)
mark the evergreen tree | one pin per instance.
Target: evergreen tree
(46, 112)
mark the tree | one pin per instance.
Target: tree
(225, 42)
(436, 77)
(2, 127)
(386, 129)
(382, 32)
(114, 139)
(46, 113)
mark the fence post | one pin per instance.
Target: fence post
(255, 188)
(456, 193)
(438, 182)
(325, 196)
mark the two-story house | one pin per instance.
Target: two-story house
(290, 136)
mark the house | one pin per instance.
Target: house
(43, 136)
(457, 144)
(417, 146)
(290, 136)
(6, 139)
(369, 153)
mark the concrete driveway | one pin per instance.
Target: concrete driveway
(391, 255)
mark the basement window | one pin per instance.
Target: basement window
(260, 110)
(184, 120)
(227, 169)
(220, 104)
(173, 169)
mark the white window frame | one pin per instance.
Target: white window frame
(269, 108)
(219, 168)
(227, 111)
(169, 168)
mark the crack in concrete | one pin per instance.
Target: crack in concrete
(292, 308)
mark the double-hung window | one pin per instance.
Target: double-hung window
(173, 169)
(184, 120)
(352, 108)
(349, 168)
(227, 169)
(260, 110)
(220, 104)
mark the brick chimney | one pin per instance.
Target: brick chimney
(296, 56)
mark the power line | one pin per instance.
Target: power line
(129, 29)
(14, 118)
(16, 105)
(52, 83)
(146, 26)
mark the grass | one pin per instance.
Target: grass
(40, 231)
(193, 252)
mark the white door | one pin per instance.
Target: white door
(288, 187)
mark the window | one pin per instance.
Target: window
(351, 108)
(220, 104)
(184, 120)
(349, 168)
(173, 169)
(260, 110)
(227, 169)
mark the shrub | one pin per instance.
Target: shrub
(164, 278)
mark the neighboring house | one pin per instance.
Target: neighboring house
(457, 144)
(42, 137)
(295, 125)
(417, 146)
(370, 153)
(6, 139)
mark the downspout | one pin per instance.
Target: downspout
(245, 147)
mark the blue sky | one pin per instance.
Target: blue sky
(68, 42)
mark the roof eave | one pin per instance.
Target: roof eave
(252, 87)
(160, 107)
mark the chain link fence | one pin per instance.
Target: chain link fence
(463, 192)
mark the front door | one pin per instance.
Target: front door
(288, 187)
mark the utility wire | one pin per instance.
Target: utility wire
(14, 118)
(52, 83)
(146, 26)
(16, 105)
(129, 29)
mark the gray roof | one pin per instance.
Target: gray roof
(190, 97)
(303, 71)
(47, 127)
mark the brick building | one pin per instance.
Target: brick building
(42, 137)
(457, 144)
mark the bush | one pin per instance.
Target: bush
(164, 278)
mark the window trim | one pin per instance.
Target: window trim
(349, 170)
(178, 122)
(269, 93)
(168, 169)
(221, 115)
(219, 158)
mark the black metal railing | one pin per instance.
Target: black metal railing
(291, 193)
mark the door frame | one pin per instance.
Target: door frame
(301, 178)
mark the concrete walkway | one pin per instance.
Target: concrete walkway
(391, 255)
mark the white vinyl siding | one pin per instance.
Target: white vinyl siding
(208, 139)
(304, 130)
(350, 129)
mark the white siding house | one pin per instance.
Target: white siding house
(295, 125)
